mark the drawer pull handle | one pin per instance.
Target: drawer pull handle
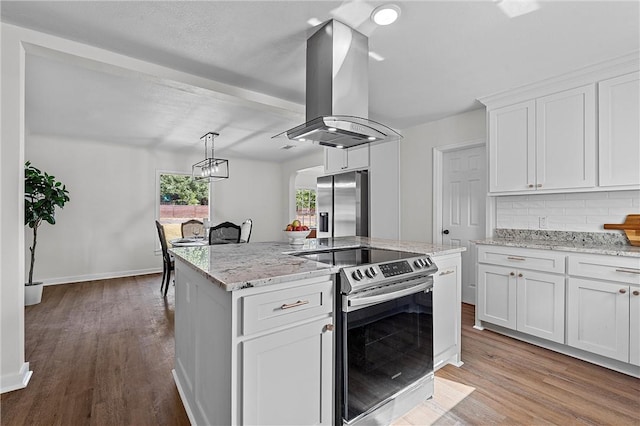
(622, 291)
(516, 258)
(629, 271)
(293, 305)
(636, 293)
(446, 272)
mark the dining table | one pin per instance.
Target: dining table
(189, 242)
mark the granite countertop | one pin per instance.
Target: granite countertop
(238, 266)
(579, 242)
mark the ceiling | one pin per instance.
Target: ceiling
(439, 57)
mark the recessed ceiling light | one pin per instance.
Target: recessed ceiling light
(385, 14)
(371, 138)
(332, 129)
(339, 146)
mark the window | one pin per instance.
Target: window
(180, 198)
(306, 207)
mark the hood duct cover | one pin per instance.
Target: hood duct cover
(337, 106)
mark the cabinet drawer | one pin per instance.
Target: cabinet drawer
(611, 268)
(539, 260)
(282, 307)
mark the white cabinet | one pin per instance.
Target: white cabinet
(337, 160)
(603, 306)
(447, 311)
(287, 376)
(544, 144)
(566, 139)
(513, 293)
(254, 356)
(384, 190)
(512, 147)
(619, 130)
(598, 318)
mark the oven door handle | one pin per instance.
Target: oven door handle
(379, 298)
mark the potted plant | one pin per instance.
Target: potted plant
(42, 193)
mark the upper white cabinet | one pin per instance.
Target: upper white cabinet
(575, 132)
(338, 160)
(619, 130)
(512, 146)
(544, 144)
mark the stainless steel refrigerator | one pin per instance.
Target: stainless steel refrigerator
(342, 203)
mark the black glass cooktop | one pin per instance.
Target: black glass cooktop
(357, 256)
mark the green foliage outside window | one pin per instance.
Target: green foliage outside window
(182, 190)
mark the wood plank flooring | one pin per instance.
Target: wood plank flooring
(102, 354)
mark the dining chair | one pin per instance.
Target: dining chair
(224, 233)
(167, 262)
(192, 228)
(245, 230)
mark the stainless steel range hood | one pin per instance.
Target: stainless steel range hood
(337, 106)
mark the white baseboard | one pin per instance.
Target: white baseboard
(183, 397)
(102, 276)
(16, 381)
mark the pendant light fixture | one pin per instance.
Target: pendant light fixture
(211, 168)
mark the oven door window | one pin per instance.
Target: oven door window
(389, 347)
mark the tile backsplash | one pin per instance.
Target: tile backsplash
(577, 211)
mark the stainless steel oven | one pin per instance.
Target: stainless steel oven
(384, 339)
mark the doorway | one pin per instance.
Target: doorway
(460, 193)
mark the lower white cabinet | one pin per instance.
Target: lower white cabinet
(528, 301)
(287, 376)
(603, 306)
(447, 311)
(256, 356)
(598, 318)
(581, 304)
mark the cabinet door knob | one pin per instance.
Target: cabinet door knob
(328, 327)
(530, 185)
(520, 275)
(623, 291)
(539, 185)
(445, 232)
(636, 293)
(512, 273)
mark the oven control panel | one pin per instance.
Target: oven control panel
(357, 277)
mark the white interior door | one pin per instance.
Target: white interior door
(463, 208)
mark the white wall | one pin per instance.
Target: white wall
(14, 371)
(107, 229)
(416, 174)
(254, 191)
(581, 211)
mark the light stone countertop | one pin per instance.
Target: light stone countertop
(238, 266)
(577, 247)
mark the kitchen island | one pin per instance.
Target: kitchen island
(253, 328)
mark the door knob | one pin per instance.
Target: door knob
(445, 232)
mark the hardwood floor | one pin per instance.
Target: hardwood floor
(102, 354)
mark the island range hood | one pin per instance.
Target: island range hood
(337, 91)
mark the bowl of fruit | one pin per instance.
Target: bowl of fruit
(296, 232)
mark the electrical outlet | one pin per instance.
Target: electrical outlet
(542, 222)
